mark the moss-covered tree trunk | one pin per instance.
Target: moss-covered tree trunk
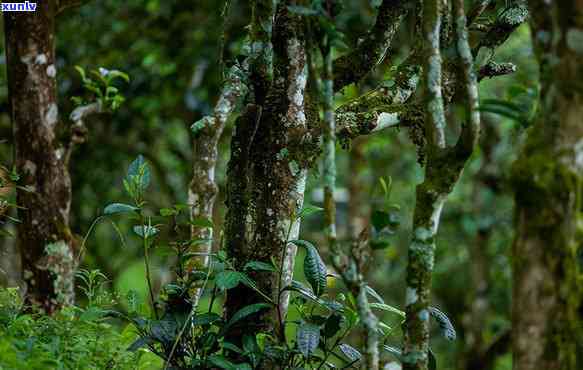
(442, 171)
(44, 239)
(548, 180)
(267, 173)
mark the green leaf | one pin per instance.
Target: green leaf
(205, 319)
(350, 352)
(164, 212)
(201, 222)
(296, 286)
(244, 312)
(309, 209)
(332, 325)
(119, 208)
(447, 329)
(221, 362)
(113, 74)
(233, 348)
(139, 343)
(388, 308)
(145, 231)
(258, 266)
(380, 219)
(314, 268)
(374, 294)
(199, 125)
(308, 337)
(228, 279)
(139, 169)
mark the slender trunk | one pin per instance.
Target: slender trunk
(442, 171)
(203, 188)
(44, 238)
(548, 181)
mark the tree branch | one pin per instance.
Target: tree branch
(508, 21)
(352, 271)
(352, 67)
(471, 130)
(493, 69)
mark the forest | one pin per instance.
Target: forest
(291, 184)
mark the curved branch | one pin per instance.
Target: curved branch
(354, 66)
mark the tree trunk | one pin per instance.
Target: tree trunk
(442, 171)
(548, 181)
(44, 238)
(275, 176)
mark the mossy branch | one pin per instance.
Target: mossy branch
(352, 67)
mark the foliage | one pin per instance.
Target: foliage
(75, 338)
(187, 336)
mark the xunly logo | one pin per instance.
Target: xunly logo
(26, 6)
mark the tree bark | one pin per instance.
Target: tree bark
(278, 158)
(442, 171)
(44, 238)
(548, 182)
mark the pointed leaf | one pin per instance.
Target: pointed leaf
(350, 352)
(227, 279)
(314, 268)
(259, 266)
(119, 208)
(244, 312)
(388, 308)
(447, 329)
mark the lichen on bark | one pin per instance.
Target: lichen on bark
(44, 192)
(442, 171)
(548, 182)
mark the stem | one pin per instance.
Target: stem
(147, 263)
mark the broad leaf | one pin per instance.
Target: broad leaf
(139, 169)
(308, 337)
(332, 325)
(205, 319)
(314, 268)
(447, 329)
(259, 266)
(228, 279)
(244, 312)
